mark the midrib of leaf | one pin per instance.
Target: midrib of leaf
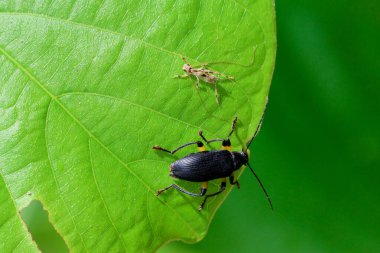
(114, 32)
(92, 27)
(56, 99)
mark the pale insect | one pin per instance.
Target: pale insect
(204, 74)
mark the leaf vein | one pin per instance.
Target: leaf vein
(57, 185)
(101, 196)
(55, 98)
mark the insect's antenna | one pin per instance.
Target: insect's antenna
(258, 127)
(232, 127)
(262, 187)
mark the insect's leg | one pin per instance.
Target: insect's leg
(202, 193)
(222, 75)
(184, 59)
(199, 144)
(216, 73)
(216, 93)
(197, 82)
(233, 127)
(222, 188)
(204, 65)
(231, 78)
(226, 145)
(181, 76)
(232, 181)
(200, 133)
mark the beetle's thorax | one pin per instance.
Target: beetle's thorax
(240, 159)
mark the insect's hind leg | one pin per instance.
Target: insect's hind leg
(199, 144)
(226, 77)
(222, 188)
(202, 193)
(181, 76)
(233, 182)
(216, 93)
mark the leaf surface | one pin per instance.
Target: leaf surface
(87, 90)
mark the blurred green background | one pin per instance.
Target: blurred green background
(319, 149)
(318, 153)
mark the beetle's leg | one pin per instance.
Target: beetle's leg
(200, 133)
(199, 144)
(226, 145)
(222, 188)
(202, 193)
(233, 127)
(232, 178)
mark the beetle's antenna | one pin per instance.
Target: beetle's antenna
(262, 187)
(259, 126)
(232, 127)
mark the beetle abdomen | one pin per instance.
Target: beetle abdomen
(203, 166)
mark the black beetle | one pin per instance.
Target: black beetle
(208, 165)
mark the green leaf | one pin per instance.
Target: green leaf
(87, 90)
(12, 234)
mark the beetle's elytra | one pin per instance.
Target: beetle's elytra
(207, 165)
(204, 166)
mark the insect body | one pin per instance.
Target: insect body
(204, 74)
(208, 165)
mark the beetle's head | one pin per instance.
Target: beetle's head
(246, 153)
(240, 159)
(245, 156)
(186, 67)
